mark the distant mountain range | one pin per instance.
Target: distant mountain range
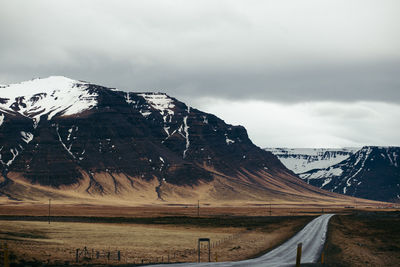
(301, 160)
(76, 141)
(370, 172)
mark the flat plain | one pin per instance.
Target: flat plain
(154, 233)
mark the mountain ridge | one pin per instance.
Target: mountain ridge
(371, 172)
(90, 141)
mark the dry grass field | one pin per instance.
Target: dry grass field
(364, 239)
(157, 233)
(176, 241)
(261, 209)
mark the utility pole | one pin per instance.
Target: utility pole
(49, 209)
(198, 208)
(270, 209)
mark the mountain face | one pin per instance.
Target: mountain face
(371, 172)
(301, 160)
(63, 138)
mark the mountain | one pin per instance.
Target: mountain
(76, 141)
(301, 160)
(372, 173)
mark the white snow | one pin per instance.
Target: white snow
(228, 141)
(301, 160)
(166, 129)
(14, 152)
(62, 143)
(327, 181)
(128, 99)
(161, 102)
(26, 136)
(51, 96)
(362, 155)
(186, 130)
(392, 156)
(324, 173)
(1, 119)
(145, 113)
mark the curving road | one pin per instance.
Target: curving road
(312, 236)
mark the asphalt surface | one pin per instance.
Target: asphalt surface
(312, 236)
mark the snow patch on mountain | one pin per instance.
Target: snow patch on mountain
(161, 102)
(301, 160)
(186, 130)
(322, 173)
(51, 96)
(14, 152)
(68, 149)
(26, 136)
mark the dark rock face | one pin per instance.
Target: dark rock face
(372, 173)
(138, 134)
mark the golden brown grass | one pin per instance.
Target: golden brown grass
(58, 241)
(364, 239)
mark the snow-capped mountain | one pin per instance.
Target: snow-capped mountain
(88, 140)
(368, 172)
(301, 160)
(49, 97)
(372, 173)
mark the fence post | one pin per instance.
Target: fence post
(298, 258)
(119, 255)
(209, 252)
(6, 262)
(77, 255)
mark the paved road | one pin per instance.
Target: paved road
(312, 236)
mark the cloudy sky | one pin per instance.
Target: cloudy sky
(310, 73)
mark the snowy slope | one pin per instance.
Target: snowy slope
(372, 172)
(49, 96)
(301, 160)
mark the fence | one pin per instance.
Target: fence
(91, 255)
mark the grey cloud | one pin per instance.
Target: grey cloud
(267, 50)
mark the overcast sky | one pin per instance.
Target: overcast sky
(295, 73)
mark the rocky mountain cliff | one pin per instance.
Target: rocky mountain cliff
(369, 172)
(372, 173)
(70, 139)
